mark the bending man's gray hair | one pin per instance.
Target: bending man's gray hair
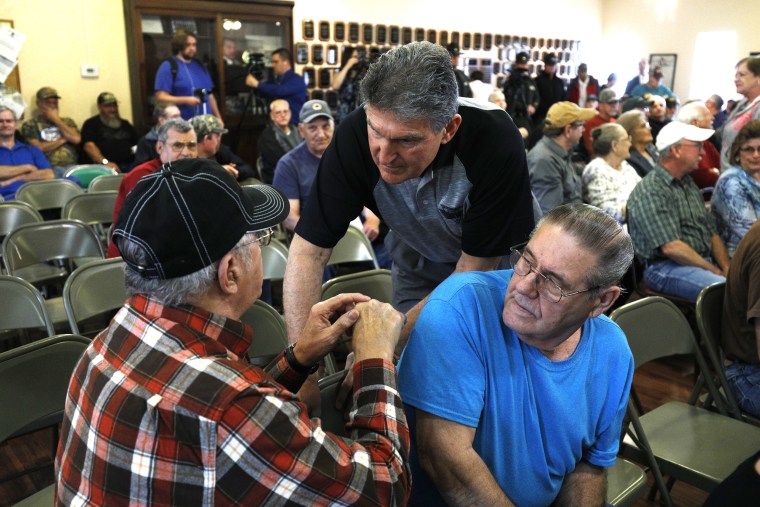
(175, 124)
(598, 233)
(413, 82)
(184, 289)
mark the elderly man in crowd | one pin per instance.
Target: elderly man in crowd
(530, 347)
(448, 178)
(209, 132)
(673, 233)
(553, 179)
(164, 408)
(176, 141)
(19, 162)
(108, 139)
(57, 137)
(146, 145)
(279, 137)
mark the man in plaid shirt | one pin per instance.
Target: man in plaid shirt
(164, 409)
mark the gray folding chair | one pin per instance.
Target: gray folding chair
(333, 419)
(269, 334)
(34, 379)
(709, 313)
(93, 208)
(42, 498)
(274, 258)
(626, 483)
(45, 253)
(375, 283)
(12, 215)
(48, 196)
(105, 183)
(21, 308)
(680, 440)
(353, 247)
(94, 289)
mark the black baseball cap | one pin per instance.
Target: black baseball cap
(453, 48)
(190, 213)
(522, 57)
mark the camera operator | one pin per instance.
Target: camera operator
(184, 81)
(353, 66)
(286, 83)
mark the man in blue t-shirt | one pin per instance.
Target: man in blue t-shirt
(515, 384)
(184, 81)
(19, 162)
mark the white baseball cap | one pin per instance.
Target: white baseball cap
(676, 131)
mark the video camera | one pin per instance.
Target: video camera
(201, 93)
(256, 64)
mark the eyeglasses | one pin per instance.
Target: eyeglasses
(545, 286)
(262, 237)
(750, 150)
(577, 124)
(177, 147)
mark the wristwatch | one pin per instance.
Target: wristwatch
(290, 357)
(104, 161)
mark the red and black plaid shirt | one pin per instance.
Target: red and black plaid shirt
(161, 410)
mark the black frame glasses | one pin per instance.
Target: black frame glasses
(545, 286)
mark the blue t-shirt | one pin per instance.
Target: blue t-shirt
(295, 173)
(644, 88)
(190, 77)
(20, 154)
(534, 418)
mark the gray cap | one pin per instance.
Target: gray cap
(314, 109)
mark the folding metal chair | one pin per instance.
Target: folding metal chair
(48, 196)
(12, 215)
(626, 483)
(94, 289)
(105, 183)
(274, 258)
(21, 308)
(680, 440)
(353, 247)
(93, 208)
(270, 336)
(85, 173)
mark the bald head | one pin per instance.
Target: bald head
(696, 113)
(280, 114)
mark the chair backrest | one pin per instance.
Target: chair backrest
(332, 418)
(655, 328)
(92, 289)
(16, 213)
(33, 383)
(22, 306)
(105, 183)
(55, 239)
(47, 194)
(709, 314)
(353, 247)
(375, 283)
(274, 258)
(91, 208)
(270, 337)
(85, 173)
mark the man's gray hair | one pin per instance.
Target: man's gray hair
(413, 82)
(160, 110)
(183, 289)
(6, 108)
(603, 136)
(598, 233)
(693, 111)
(175, 124)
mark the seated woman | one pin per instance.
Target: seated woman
(643, 156)
(736, 200)
(608, 179)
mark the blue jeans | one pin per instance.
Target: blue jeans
(675, 279)
(744, 381)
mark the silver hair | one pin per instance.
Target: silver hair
(693, 111)
(175, 124)
(603, 136)
(413, 82)
(630, 120)
(667, 151)
(183, 289)
(6, 108)
(599, 234)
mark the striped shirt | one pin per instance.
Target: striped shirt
(661, 209)
(163, 409)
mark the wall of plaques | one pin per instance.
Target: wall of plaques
(318, 55)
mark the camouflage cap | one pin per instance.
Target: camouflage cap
(47, 93)
(205, 124)
(107, 98)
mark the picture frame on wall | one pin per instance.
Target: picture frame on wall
(667, 62)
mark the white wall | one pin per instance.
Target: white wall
(640, 27)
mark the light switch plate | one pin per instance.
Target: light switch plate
(89, 70)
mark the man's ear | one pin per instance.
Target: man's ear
(228, 273)
(451, 129)
(605, 300)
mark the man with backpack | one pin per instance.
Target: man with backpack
(184, 81)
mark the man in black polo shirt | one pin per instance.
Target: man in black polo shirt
(450, 179)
